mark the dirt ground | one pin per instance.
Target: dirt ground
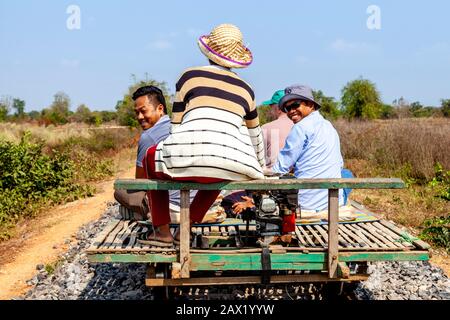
(43, 239)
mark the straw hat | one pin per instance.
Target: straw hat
(224, 45)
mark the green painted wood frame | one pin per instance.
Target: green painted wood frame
(267, 184)
(252, 261)
(187, 260)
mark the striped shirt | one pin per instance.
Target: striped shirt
(215, 128)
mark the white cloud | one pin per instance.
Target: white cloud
(343, 46)
(70, 63)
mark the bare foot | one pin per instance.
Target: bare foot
(161, 233)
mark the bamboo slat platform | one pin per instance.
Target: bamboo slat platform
(328, 247)
(118, 242)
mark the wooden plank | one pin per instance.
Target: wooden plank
(357, 240)
(368, 234)
(392, 236)
(419, 243)
(224, 231)
(112, 235)
(374, 231)
(385, 256)
(316, 236)
(272, 184)
(323, 233)
(132, 258)
(133, 237)
(185, 231)
(211, 281)
(308, 238)
(215, 231)
(388, 231)
(299, 236)
(136, 249)
(127, 233)
(234, 232)
(356, 230)
(254, 258)
(333, 232)
(118, 240)
(133, 232)
(342, 238)
(103, 234)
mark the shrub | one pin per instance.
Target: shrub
(437, 231)
(29, 179)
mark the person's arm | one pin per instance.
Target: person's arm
(255, 132)
(291, 151)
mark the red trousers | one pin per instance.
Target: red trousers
(159, 199)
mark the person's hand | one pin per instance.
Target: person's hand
(238, 207)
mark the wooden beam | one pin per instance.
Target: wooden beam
(253, 259)
(267, 184)
(333, 219)
(153, 282)
(185, 232)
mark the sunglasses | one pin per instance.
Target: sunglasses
(294, 105)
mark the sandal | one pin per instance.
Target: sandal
(143, 239)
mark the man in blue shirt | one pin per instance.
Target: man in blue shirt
(312, 148)
(151, 113)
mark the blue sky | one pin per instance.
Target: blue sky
(323, 43)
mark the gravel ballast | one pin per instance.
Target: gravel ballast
(75, 278)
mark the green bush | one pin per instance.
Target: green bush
(441, 182)
(29, 179)
(437, 231)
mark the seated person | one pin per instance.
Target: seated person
(151, 113)
(276, 131)
(311, 150)
(312, 147)
(208, 143)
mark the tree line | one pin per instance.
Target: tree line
(360, 99)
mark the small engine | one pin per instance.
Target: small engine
(274, 213)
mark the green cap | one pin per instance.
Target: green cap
(275, 98)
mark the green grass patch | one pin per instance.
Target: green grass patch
(436, 230)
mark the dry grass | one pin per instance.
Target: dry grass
(408, 148)
(405, 148)
(51, 135)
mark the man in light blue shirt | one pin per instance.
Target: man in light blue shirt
(312, 148)
(151, 113)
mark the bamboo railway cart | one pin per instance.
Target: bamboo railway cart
(219, 254)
